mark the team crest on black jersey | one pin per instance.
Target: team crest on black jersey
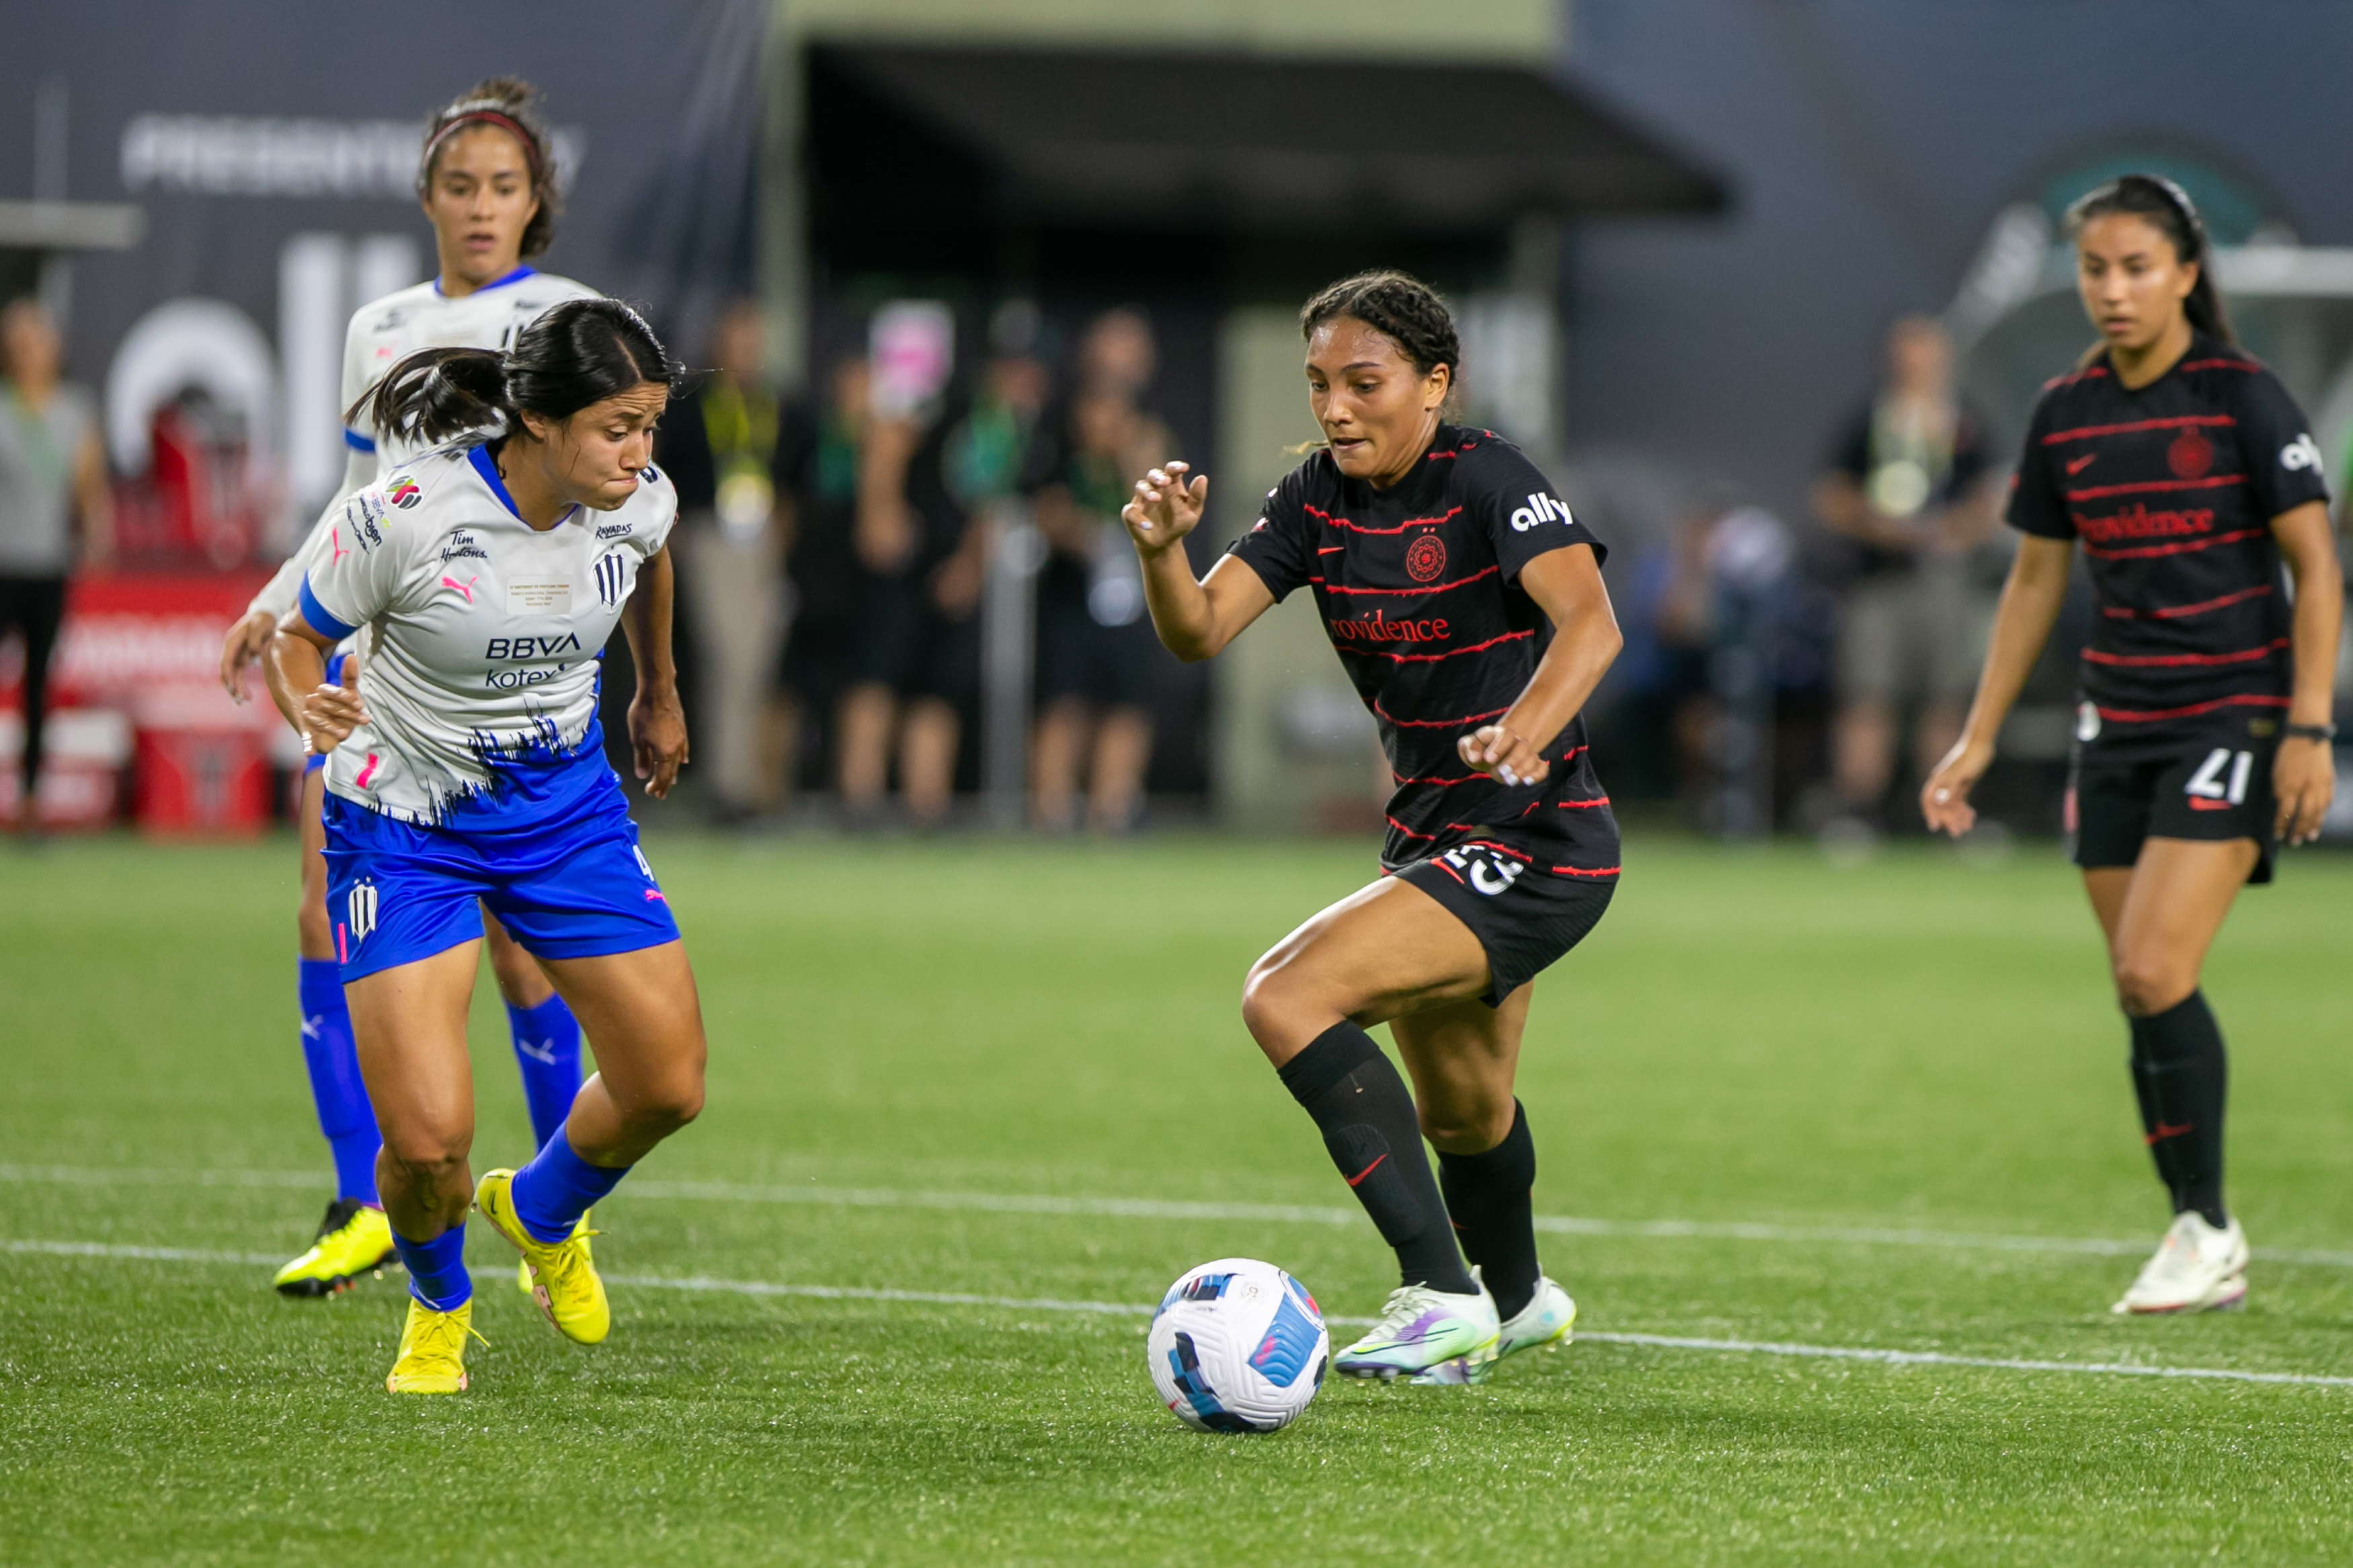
(611, 576)
(1425, 558)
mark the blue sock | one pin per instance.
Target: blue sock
(437, 1268)
(547, 1049)
(345, 1114)
(556, 1189)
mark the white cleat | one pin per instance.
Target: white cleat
(2196, 1269)
(1426, 1336)
(1547, 1321)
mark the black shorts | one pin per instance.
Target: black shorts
(2210, 793)
(1520, 895)
(906, 644)
(1110, 667)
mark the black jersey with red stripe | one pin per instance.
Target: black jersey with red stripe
(2171, 488)
(1419, 588)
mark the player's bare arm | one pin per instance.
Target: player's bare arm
(657, 719)
(1196, 617)
(1566, 586)
(2021, 625)
(2304, 773)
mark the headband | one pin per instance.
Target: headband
(2180, 201)
(484, 116)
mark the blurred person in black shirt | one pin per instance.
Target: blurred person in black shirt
(818, 467)
(721, 448)
(1913, 486)
(1095, 646)
(918, 561)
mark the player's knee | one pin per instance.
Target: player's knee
(2146, 984)
(1270, 997)
(664, 1107)
(430, 1151)
(1467, 1127)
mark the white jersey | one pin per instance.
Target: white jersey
(382, 333)
(484, 631)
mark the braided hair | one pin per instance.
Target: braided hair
(1398, 306)
(505, 102)
(2167, 207)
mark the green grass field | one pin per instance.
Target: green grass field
(1761, 1092)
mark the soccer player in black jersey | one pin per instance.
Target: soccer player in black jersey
(1468, 608)
(2188, 476)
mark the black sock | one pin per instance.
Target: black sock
(2181, 1077)
(1489, 1197)
(1369, 1128)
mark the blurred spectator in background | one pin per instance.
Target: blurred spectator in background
(721, 448)
(1095, 646)
(819, 467)
(53, 488)
(1912, 486)
(916, 662)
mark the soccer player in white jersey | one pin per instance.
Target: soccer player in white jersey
(467, 772)
(485, 178)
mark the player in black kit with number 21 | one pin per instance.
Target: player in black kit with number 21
(2203, 736)
(1467, 606)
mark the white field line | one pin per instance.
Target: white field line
(1139, 1309)
(1154, 1208)
(1158, 1209)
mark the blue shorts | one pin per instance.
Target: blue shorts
(335, 662)
(565, 876)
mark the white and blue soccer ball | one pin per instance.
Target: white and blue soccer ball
(1237, 1346)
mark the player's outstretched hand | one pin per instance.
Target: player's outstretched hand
(1944, 798)
(657, 739)
(1166, 508)
(2304, 780)
(329, 715)
(1492, 749)
(244, 644)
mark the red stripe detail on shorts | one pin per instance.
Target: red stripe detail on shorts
(1576, 804)
(1401, 828)
(2147, 716)
(1584, 871)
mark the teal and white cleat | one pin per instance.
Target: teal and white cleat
(1426, 1336)
(1545, 1321)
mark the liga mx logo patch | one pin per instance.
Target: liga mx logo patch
(402, 492)
(611, 577)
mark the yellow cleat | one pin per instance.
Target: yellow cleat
(353, 1239)
(432, 1351)
(562, 1277)
(580, 1233)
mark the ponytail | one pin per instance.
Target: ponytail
(2168, 207)
(577, 353)
(430, 396)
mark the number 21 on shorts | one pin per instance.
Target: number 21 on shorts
(2206, 789)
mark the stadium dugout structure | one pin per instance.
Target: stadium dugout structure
(980, 173)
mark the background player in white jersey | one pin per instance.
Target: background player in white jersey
(467, 772)
(485, 178)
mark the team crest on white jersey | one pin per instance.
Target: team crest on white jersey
(612, 577)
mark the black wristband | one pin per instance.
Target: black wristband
(2309, 732)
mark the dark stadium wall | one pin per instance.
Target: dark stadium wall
(1870, 147)
(238, 127)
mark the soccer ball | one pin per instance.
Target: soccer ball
(1236, 1346)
